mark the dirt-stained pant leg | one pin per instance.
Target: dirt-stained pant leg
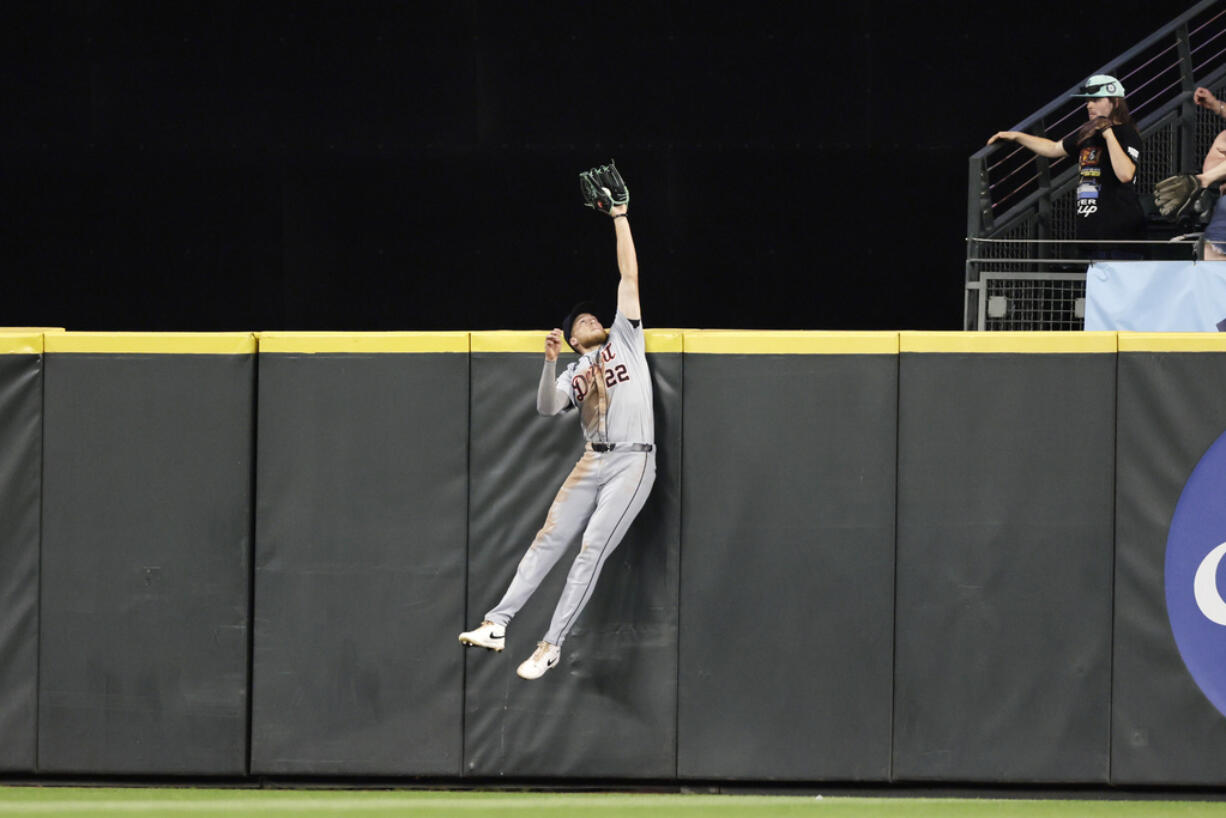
(567, 516)
(625, 481)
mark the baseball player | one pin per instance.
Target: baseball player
(610, 387)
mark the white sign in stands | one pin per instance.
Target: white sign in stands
(1156, 296)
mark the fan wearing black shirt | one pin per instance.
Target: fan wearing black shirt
(1108, 151)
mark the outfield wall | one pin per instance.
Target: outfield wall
(870, 557)
(21, 440)
(144, 604)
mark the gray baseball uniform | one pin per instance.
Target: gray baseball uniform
(611, 388)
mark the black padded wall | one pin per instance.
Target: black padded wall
(787, 566)
(1005, 471)
(949, 565)
(1171, 411)
(609, 709)
(360, 546)
(145, 550)
(21, 399)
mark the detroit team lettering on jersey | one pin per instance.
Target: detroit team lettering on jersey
(611, 387)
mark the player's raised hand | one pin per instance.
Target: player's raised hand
(612, 181)
(604, 189)
(553, 345)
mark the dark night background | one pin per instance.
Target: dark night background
(386, 165)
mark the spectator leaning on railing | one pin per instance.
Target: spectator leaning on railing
(1108, 151)
(1214, 170)
(1205, 98)
(1183, 194)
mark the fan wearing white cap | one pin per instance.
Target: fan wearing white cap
(1108, 152)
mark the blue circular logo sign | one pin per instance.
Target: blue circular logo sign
(1195, 552)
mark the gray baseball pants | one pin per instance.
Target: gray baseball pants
(600, 498)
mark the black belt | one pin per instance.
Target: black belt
(622, 447)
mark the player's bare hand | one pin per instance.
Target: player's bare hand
(553, 345)
(1205, 98)
(1002, 136)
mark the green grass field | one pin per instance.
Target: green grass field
(152, 803)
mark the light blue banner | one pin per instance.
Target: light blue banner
(1156, 296)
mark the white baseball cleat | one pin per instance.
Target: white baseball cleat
(486, 635)
(544, 657)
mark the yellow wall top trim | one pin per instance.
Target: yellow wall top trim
(1172, 341)
(156, 343)
(20, 343)
(510, 341)
(1026, 342)
(729, 342)
(664, 340)
(781, 342)
(362, 342)
(656, 340)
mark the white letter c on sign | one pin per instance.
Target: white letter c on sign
(1204, 585)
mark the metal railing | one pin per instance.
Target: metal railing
(1044, 292)
(1021, 255)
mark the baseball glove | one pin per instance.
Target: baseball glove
(1175, 196)
(1092, 128)
(603, 189)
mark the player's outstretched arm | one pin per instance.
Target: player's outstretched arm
(628, 264)
(605, 191)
